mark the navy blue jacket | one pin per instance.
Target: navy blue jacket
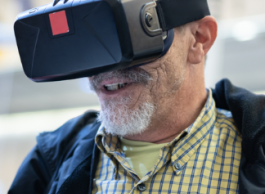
(65, 161)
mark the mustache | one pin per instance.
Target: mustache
(136, 75)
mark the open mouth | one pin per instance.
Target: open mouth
(114, 87)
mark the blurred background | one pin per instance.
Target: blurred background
(28, 108)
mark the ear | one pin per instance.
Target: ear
(204, 33)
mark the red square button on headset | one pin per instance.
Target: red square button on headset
(59, 23)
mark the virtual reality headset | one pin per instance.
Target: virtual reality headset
(70, 39)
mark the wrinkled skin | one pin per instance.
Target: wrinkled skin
(176, 87)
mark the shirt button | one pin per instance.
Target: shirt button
(141, 187)
(178, 168)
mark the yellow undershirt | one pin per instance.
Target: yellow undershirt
(142, 156)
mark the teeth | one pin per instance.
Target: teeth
(113, 87)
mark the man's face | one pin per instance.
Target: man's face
(132, 100)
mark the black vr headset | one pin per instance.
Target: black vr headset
(70, 39)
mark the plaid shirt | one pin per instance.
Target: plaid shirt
(204, 158)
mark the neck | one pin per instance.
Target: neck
(177, 113)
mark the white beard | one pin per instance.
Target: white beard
(115, 115)
(121, 121)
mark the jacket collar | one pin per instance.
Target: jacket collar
(248, 112)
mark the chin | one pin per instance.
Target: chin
(120, 120)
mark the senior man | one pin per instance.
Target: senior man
(158, 131)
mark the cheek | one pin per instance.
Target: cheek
(167, 72)
(142, 94)
(176, 64)
(168, 79)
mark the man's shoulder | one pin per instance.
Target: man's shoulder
(68, 129)
(53, 145)
(57, 155)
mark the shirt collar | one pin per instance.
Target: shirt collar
(195, 134)
(107, 143)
